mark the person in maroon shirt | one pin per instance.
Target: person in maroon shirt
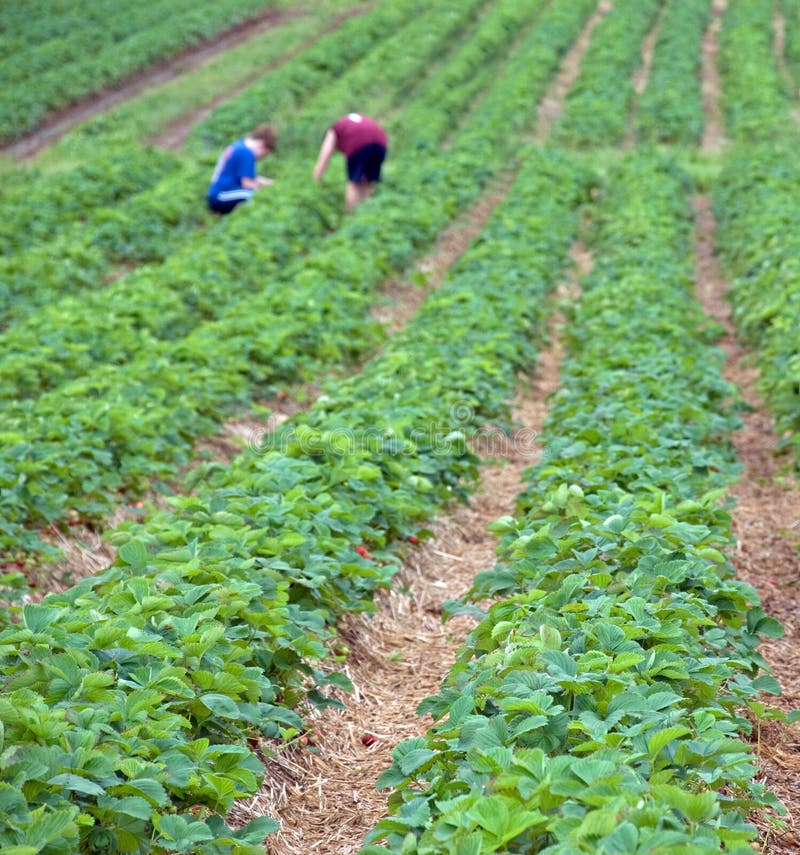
(363, 143)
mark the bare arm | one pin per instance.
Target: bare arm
(255, 183)
(325, 153)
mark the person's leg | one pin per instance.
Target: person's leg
(352, 195)
(370, 160)
(218, 207)
(225, 202)
(363, 172)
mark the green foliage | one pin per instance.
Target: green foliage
(132, 694)
(596, 108)
(56, 58)
(755, 99)
(271, 317)
(756, 204)
(791, 15)
(597, 705)
(670, 110)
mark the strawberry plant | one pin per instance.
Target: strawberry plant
(63, 61)
(670, 110)
(597, 706)
(755, 99)
(596, 108)
(754, 200)
(214, 622)
(311, 314)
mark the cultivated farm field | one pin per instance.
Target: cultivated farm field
(464, 522)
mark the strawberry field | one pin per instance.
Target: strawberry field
(233, 447)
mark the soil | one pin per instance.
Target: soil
(399, 655)
(174, 134)
(766, 524)
(641, 76)
(779, 46)
(322, 788)
(62, 121)
(714, 129)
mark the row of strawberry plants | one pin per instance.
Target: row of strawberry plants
(36, 204)
(144, 228)
(36, 55)
(17, 23)
(670, 110)
(596, 108)
(127, 700)
(755, 203)
(39, 22)
(434, 41)
(296, 216)
(598, 704)
(554, 30)
(122, 425)
(791, 42)
(141, 230)
(755, 98)
(77, 63)
(150, 225)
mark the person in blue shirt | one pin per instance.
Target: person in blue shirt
(235, 179)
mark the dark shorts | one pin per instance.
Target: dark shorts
(227, 200)
(221, 207)
(365, 164)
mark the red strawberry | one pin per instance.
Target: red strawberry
(362, 551)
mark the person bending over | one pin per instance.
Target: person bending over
(363, 142)
(235, 179)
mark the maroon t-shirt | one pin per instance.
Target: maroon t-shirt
(354, 131)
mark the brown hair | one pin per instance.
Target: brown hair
(266, 135)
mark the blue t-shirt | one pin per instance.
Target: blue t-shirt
(235, 163)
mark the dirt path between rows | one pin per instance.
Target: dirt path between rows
(779, 46)
(766, 523)
(325, 798)
(713, 140)
(640, 79)
(176, 132)
(64, 120)
(766, 519)
(552, 104)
